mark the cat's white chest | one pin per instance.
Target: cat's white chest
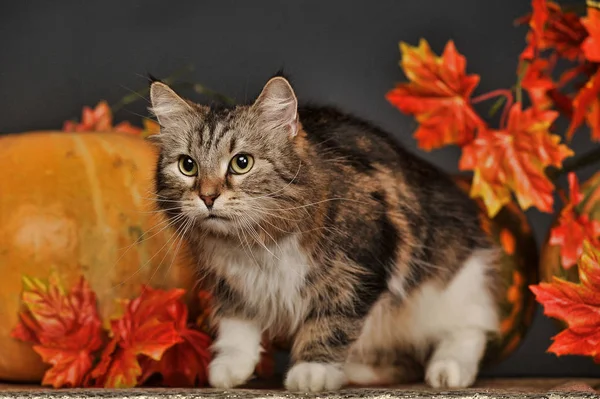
(272, 281)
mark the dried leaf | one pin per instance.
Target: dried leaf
(65, 328)
(576, 304)
(437, 95)
(186, 363)
(99, 119)
(585, 106)
(574, 228)
(514, 160)
(144, 329)
(552, 28)
(591, 45)
(538, 82)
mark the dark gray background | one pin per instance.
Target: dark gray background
(56, 56)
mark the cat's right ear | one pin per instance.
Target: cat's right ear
(172, 112)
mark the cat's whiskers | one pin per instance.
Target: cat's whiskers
(178, 237)
(281, 189)
(176, 220)
(167, 224)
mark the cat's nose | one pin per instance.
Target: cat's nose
(209, 199)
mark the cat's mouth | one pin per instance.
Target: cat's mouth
(212, 216)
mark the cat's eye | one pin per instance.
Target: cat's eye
(188, 166)
(241, 163)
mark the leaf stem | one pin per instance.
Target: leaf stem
(506, 93)
(572, 164)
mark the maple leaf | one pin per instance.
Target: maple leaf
(591, 45)
(573, 228)
(437, 95)
(185, 363)
(538, 83)
(586, 105)
(552, 28)
(514, 159)
(143, 329)
(576, 304)
(65, 328)
(99, 119)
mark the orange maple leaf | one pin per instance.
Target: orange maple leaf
(99, 119)
(591, 45)
(65, 328)
(142, 330)
(573, 228)
(437, 95)
(552, 28)
(185, 363)
(514, 159)
(576, 304)
(586, 105)
(538, 83)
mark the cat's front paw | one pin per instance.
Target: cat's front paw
(230, 369)
(315, 377)
(449, 373)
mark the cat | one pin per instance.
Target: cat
(315, 225)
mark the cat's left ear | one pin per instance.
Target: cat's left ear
(278, 106)
(172, 111)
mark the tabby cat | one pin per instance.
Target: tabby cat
(315, 225)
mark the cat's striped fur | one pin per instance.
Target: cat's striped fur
(369, 258)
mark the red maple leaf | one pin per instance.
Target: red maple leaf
(437, 95)
(514, 159)
(99, 119)
(185, 363)
(586, 105)
(576, 304)
(573, 228)
(143, 330)
(64, 327)
(552, 28)
(591, 45)
(538, 82)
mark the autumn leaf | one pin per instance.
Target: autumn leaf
(437, 95)
(99, 119)
(537, 24)
(538, 83)
(64, 327)
(552, 28)
(574, 228)
(144, 329)
(186, 363)
(514, 160)
(576, 304)
(586, 105)
(150, 128)
(591, 45)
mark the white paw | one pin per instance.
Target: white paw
(449, 374)
(315, 377)
(228, 370)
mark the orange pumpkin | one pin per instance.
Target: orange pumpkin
(79, 204)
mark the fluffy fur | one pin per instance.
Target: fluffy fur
(370, 259)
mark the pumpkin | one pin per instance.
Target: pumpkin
(79, 204)
(509, 229)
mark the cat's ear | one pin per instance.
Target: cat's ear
(172, 111)
(278, 106)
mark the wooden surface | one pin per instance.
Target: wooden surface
(554, 388)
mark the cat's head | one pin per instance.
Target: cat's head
(231, 171)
